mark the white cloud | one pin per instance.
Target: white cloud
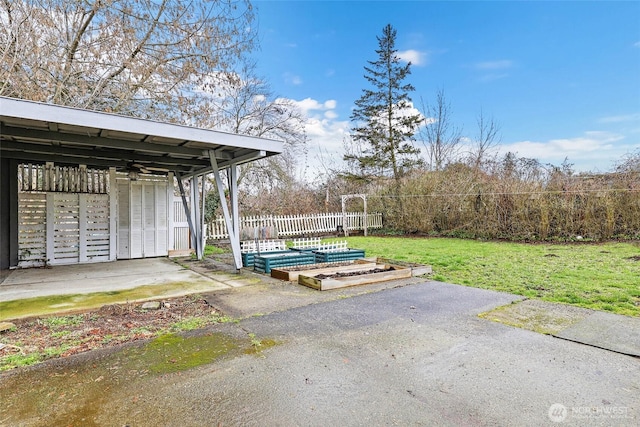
(331, 114)
(594, 150)
(308, 104)
(325, 134)
(494, 65)
(414, 56)
(330, 104)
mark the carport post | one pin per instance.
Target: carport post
(232, 177)
(186, 209)
(195, 211)
(234, 236)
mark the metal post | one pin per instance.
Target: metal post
(234, 238)
(185, 205)
(203, 230)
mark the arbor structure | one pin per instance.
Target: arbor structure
(134, 57)
(384, 119)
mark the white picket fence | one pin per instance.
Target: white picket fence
(265, 227)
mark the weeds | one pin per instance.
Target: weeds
(57, 322)
(255, 342)
(191, 323)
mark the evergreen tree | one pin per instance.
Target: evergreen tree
(384, 119)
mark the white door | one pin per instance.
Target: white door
(143, 226)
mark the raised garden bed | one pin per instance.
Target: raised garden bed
(266, 262)
(339, 255)
(363, 276)
(248, 259)
(416, 269)
(291, 273)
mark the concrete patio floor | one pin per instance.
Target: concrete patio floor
(103, 277)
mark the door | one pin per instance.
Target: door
(143, 222)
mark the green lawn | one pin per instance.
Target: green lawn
(598, 276)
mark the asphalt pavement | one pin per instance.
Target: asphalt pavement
(409, 355)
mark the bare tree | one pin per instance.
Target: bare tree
(486, 140)
(629, 163)
(440, 137)
(244, 103)
(136, 57)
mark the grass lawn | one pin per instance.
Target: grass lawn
(597, 276)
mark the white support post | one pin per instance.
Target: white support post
(195, 213)
(113, 212)
(233, 191)
(170, 212)
(203, 230)
(187, 211)
(234, 238)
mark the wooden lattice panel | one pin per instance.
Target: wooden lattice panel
(32, 213)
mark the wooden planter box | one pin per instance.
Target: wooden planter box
(338, 256)
(267, 261)
(291, 273)
(416, 269)
(364, 279)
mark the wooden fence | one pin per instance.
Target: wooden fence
(265, 227)
(67, 179)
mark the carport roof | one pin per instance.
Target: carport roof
(36, 132)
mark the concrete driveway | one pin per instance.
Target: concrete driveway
(412, 355)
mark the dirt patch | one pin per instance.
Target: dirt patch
(634, 258)
(318, 265)
(352, 273)
(111, 325)
(538, 316)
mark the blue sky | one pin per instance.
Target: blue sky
(561, 78)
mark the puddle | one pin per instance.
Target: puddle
(537, 316)
(74, 391)
(173, 353)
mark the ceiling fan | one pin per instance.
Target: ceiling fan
(135, 169)
(140, 168)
